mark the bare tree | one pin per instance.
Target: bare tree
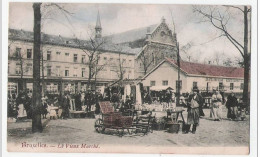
(150, 56)
(146, 61)
(219, 18)
(228, 62)
(23, 68)
(92, 48)
(218, 58)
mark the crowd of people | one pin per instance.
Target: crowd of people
(195, 111)
(59, 106)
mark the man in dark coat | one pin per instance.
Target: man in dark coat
(115, 100)
(201, 105)
(99, 98)
(88, 100)
(231, 105)
(194, 101)
(78, 102)
(65, 107)
(28, 106)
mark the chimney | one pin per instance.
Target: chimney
(148, 34)
(163, 20)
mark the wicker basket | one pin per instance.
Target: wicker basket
(111, 119)
(174, 127)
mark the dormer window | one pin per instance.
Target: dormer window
(67, 42)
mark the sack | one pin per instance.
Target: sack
(185, 127)
(194, 104)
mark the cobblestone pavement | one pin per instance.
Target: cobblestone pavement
(209, 133)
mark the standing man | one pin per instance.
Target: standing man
(88, 100)
(65, 107)
(194, 102)
(99, 98)
(201, 105)
(78, 102)
(231, 105)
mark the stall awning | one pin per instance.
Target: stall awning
(160, 88)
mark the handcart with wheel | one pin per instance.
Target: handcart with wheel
(110, 119)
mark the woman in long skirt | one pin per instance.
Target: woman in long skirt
(194, 102)
(217, 106)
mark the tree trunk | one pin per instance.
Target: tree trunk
(89, 75)
(36, 98)
(246, 58)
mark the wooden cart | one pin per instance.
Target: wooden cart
(115, 120)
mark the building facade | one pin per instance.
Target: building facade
(160, 43)
(205, 77)
(65, 63)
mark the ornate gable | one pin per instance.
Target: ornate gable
(163, 34)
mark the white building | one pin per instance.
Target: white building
(204, 76)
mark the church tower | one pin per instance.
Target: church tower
(98, 27)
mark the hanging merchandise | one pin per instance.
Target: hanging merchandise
(142, 91)
(133, 93)
(102, 90)
(138, 95)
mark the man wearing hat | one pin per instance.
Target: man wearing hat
(194, 102)
(88, 99)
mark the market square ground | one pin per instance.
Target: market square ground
(210, 133)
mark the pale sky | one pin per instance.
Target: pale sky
(116, 18)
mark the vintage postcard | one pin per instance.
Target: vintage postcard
(129, 78)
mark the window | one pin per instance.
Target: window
(179, 84)
(75, 58)
(241, 86)
(49, 71)
(152, 83)
(48, 55)
(58, 53)
(231, 86)
(29, 53)
(220, 86)
(66, 72)
(18, 52)
(67, 54)
(83, 72)
(195, 84)
(130, 62)
(18, 68)
(83, 58)
(58, 71)
(29, 67)
(165, 83)
(75, 72)
(105, 58)
(67, 42)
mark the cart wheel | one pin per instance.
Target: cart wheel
(99, 125)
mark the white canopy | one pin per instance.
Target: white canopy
(160, 88)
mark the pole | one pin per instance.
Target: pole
(178, 84)
(36, 97)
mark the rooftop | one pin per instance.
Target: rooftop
(15, 34)
(208, 69)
